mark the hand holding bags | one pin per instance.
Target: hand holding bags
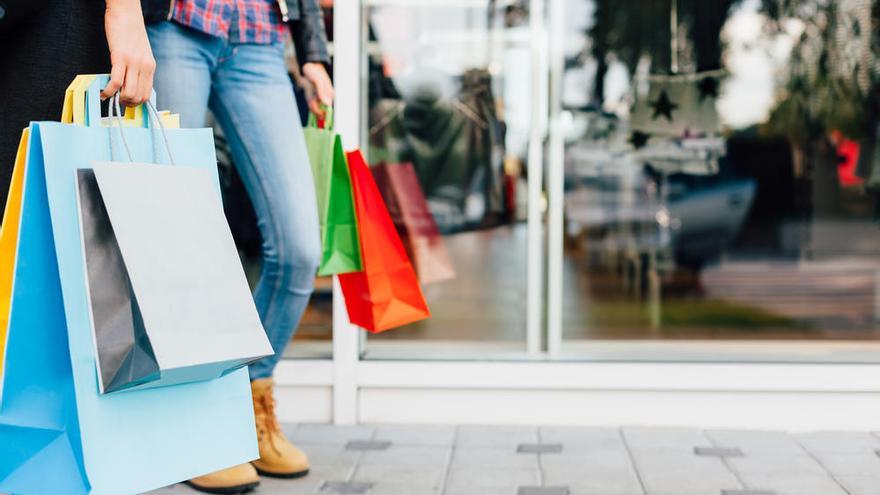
(386, 293)
(58, 433)
(339, 231)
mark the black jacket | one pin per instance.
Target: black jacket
(304, 17)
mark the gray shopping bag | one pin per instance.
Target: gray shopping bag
(168, 297)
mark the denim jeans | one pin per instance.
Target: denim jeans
(247, 88)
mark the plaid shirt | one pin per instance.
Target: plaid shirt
(240, 21)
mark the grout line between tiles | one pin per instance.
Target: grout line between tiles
(360, 457)
(729, 466)
(539, 460)
(822, 465)
(448, 471)
(447, 467)
(632, 460)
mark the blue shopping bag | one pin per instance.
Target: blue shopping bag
(58, 433)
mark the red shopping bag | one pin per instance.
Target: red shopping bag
(406, 203)
(386, 293)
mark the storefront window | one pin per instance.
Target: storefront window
(721, 179)
(721, 192)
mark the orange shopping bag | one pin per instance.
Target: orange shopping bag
(386, 293)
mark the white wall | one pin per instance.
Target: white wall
(778, 397)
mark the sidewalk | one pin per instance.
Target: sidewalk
(467, 460)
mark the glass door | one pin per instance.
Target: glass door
(447, 120)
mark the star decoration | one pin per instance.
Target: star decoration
(708, 87)
(638, 139)
(663, 106)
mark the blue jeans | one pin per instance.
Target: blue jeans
(247, 88)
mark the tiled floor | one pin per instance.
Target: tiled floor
(468, 460)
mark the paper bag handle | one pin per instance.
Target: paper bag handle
(326, 122)
(117, 116)
(82, 101)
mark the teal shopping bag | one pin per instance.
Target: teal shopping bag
(339, 230)
(58, 433)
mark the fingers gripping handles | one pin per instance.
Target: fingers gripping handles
(82, 105)
(82, 101)
(326, 122)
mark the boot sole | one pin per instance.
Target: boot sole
(226, 490)
(284, 476)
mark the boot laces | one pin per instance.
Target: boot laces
(267, 422)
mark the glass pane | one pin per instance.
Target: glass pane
(447, 102)
(722, 180)
(314, 336)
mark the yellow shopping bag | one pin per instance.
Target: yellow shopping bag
(9, 241)
(134, 117)
(73, 112)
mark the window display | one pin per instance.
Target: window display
(718, 177)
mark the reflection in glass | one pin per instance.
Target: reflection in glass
(446, 142)
(721, 173)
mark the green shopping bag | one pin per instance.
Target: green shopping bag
(339, 231)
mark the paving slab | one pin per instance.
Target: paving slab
(407, 456)
(498, 437)
(850, 464)
(308, 484)
(786, 484)
(754, 442)
(485, 490)
(580, 491)
(800, 464)
(665, 439)
(330, 455)
(402, 489)
(417, 435)
(542, 490)
(367, 445)
(607, 482)
(840, 442)
(581, 439)
(664, 471)
(416, 476)
(477, 478)
(345, 487)
(328, 434)
(860, 485)
(463, 457)
(589, 460)
(593, 471)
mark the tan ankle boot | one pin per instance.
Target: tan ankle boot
(278, 457)
(237, 479)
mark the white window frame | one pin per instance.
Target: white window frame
(348, 390)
